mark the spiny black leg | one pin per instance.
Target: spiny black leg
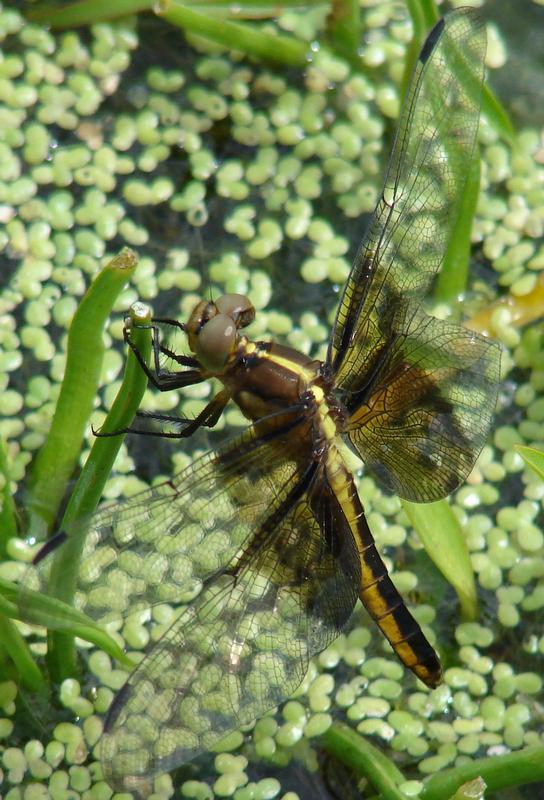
(185, 361)
(173, 322)
(163, 381)
(158, 348)
(207, 418)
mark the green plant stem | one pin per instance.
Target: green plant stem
(424, 14)
(235, 35)
(62, 581)
(356, 752)
(499, 772)
(273, 6)
(497, 116)
(88, 12)
(56, 461)
(8, 513)
(17, 649)
(444, 542)
(254, 10)
(429, 12)
(344, 28)
(85, 13)
(453, 276)
(35, 608)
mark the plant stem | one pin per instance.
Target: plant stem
(499, 772)
(62, 582)
(430, 12)
(444, 542)
(235, 35)
(423, 15)
(86, 13)
(356, 752)
(423, 18)
(35, 608)
(57, 459)
(17, 649)
(344, 28)
(453, 276)
(8, 513)
(497, 116)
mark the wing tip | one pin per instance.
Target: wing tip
(431, 40)
(49, 547)
(116, 707)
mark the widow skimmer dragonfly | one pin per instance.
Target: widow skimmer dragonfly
(263, 544)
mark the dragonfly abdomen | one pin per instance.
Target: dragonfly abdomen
(388, 610)
(377, 591)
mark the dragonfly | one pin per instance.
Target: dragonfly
(262, 547)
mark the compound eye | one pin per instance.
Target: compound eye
(238, 307)
(201, 314)
(216, 340)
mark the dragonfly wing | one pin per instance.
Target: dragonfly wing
(420, 392)
(406, 239)
(422, 422)
(243, 645)
(161, 545)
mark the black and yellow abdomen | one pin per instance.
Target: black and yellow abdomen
(377, 591)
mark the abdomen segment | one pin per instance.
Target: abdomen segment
(377, 591)
(388, 610)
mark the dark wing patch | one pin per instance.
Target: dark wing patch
(431, 41)
(242, 646)
(405, 243)
(423, 419)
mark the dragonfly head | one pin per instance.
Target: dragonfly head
(213, 327)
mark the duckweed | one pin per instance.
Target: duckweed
(74, 198)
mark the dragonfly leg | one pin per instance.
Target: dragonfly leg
(207, 418)
(185, 361)
(162, 379)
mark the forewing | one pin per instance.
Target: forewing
(251, 549)
(414, 218)
(161, 545)
(243, 645)
(425, 416)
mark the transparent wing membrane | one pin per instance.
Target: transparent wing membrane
(162, 544)
(406, 240)
(240, 648)
(253, 552)
(420, 392)
(425, 417)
